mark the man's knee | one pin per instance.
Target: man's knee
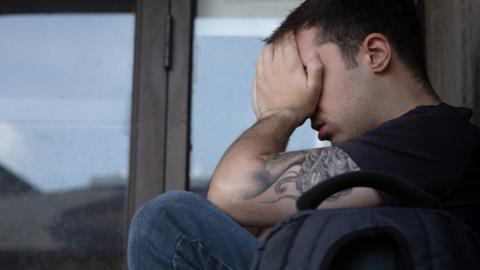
(157, 224)
(172, 218)
(160, 210)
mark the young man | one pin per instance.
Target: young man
(355, 68)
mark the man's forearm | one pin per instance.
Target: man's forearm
(268, 136)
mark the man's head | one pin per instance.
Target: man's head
(366, 46)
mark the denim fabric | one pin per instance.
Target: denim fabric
(182, 230)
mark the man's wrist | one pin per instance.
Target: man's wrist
(271, 132)
(287, 116)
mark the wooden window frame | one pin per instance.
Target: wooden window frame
(161, 116)
(62, 6)
(452, 39)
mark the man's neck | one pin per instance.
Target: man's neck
(406, 97)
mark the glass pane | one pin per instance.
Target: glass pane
(228, 38)
(65, 95)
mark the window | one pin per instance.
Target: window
(65, 110)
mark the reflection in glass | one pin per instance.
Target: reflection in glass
(225, 50)
(65, 94)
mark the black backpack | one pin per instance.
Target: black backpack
(417, 236)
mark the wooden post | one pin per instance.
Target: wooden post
(147, 161)
(452, 36)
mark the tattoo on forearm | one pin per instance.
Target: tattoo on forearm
(289, 175)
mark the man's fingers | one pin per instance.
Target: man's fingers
(315, 73)
(268, 54)
(255, 102)
(291, 54)
(259, 63)
(284, 48)
(265, 58)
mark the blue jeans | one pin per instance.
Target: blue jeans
(182, 230)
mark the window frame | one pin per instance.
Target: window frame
(61, 6)
(161, 116)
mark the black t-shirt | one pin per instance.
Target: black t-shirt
(433, 147)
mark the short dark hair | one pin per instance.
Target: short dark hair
(347, 23)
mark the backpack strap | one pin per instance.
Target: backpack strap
(410, 195)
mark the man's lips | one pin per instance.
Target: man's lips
(322, 128)
(323, 133)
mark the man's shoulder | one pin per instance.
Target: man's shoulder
(424, 131)
(435, 126)
(429, 146)
(431, 115)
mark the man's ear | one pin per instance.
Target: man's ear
(378, 52)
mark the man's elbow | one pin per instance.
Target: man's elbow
(225, 197)
(228, 198)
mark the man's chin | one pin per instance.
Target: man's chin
(333, 139)
(332, 135)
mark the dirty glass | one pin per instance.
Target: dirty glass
(227, 39)
(65, 95)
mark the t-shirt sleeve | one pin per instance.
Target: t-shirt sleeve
(413, 149)
(360, 154)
